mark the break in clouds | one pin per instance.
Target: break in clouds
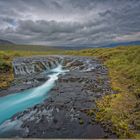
(69, 22)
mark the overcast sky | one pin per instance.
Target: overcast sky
(69, 22)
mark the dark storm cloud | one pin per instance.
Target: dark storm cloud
(69, 22)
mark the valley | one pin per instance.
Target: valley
(65, 107)
(106, 78)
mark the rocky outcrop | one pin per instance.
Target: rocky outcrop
(30, 66)
(36, 65)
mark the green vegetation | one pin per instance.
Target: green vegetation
(119, 112)
(34, 48)
(6, 74)
(81, 121)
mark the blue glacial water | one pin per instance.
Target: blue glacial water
(17, 102)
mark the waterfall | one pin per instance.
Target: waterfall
(24, 67)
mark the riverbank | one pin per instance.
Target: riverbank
(120, 113)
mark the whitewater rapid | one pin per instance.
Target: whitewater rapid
(12, 104)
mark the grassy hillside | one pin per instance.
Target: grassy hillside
(120, 112)
(37, 48)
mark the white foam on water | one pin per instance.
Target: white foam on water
(14, 103)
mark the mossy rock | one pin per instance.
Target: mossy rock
(91, 112)
(81, 121)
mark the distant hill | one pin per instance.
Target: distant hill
(131, 43)
(5, 42)
(90, 46)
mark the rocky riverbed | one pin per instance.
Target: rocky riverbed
(70, 107)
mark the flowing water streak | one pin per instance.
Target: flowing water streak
(12, 104)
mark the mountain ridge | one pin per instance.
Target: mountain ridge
(5, 42)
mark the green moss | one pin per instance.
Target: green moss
(91, 112)
(5, 66)
(81, 121)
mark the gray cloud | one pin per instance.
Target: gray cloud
(69, 22)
